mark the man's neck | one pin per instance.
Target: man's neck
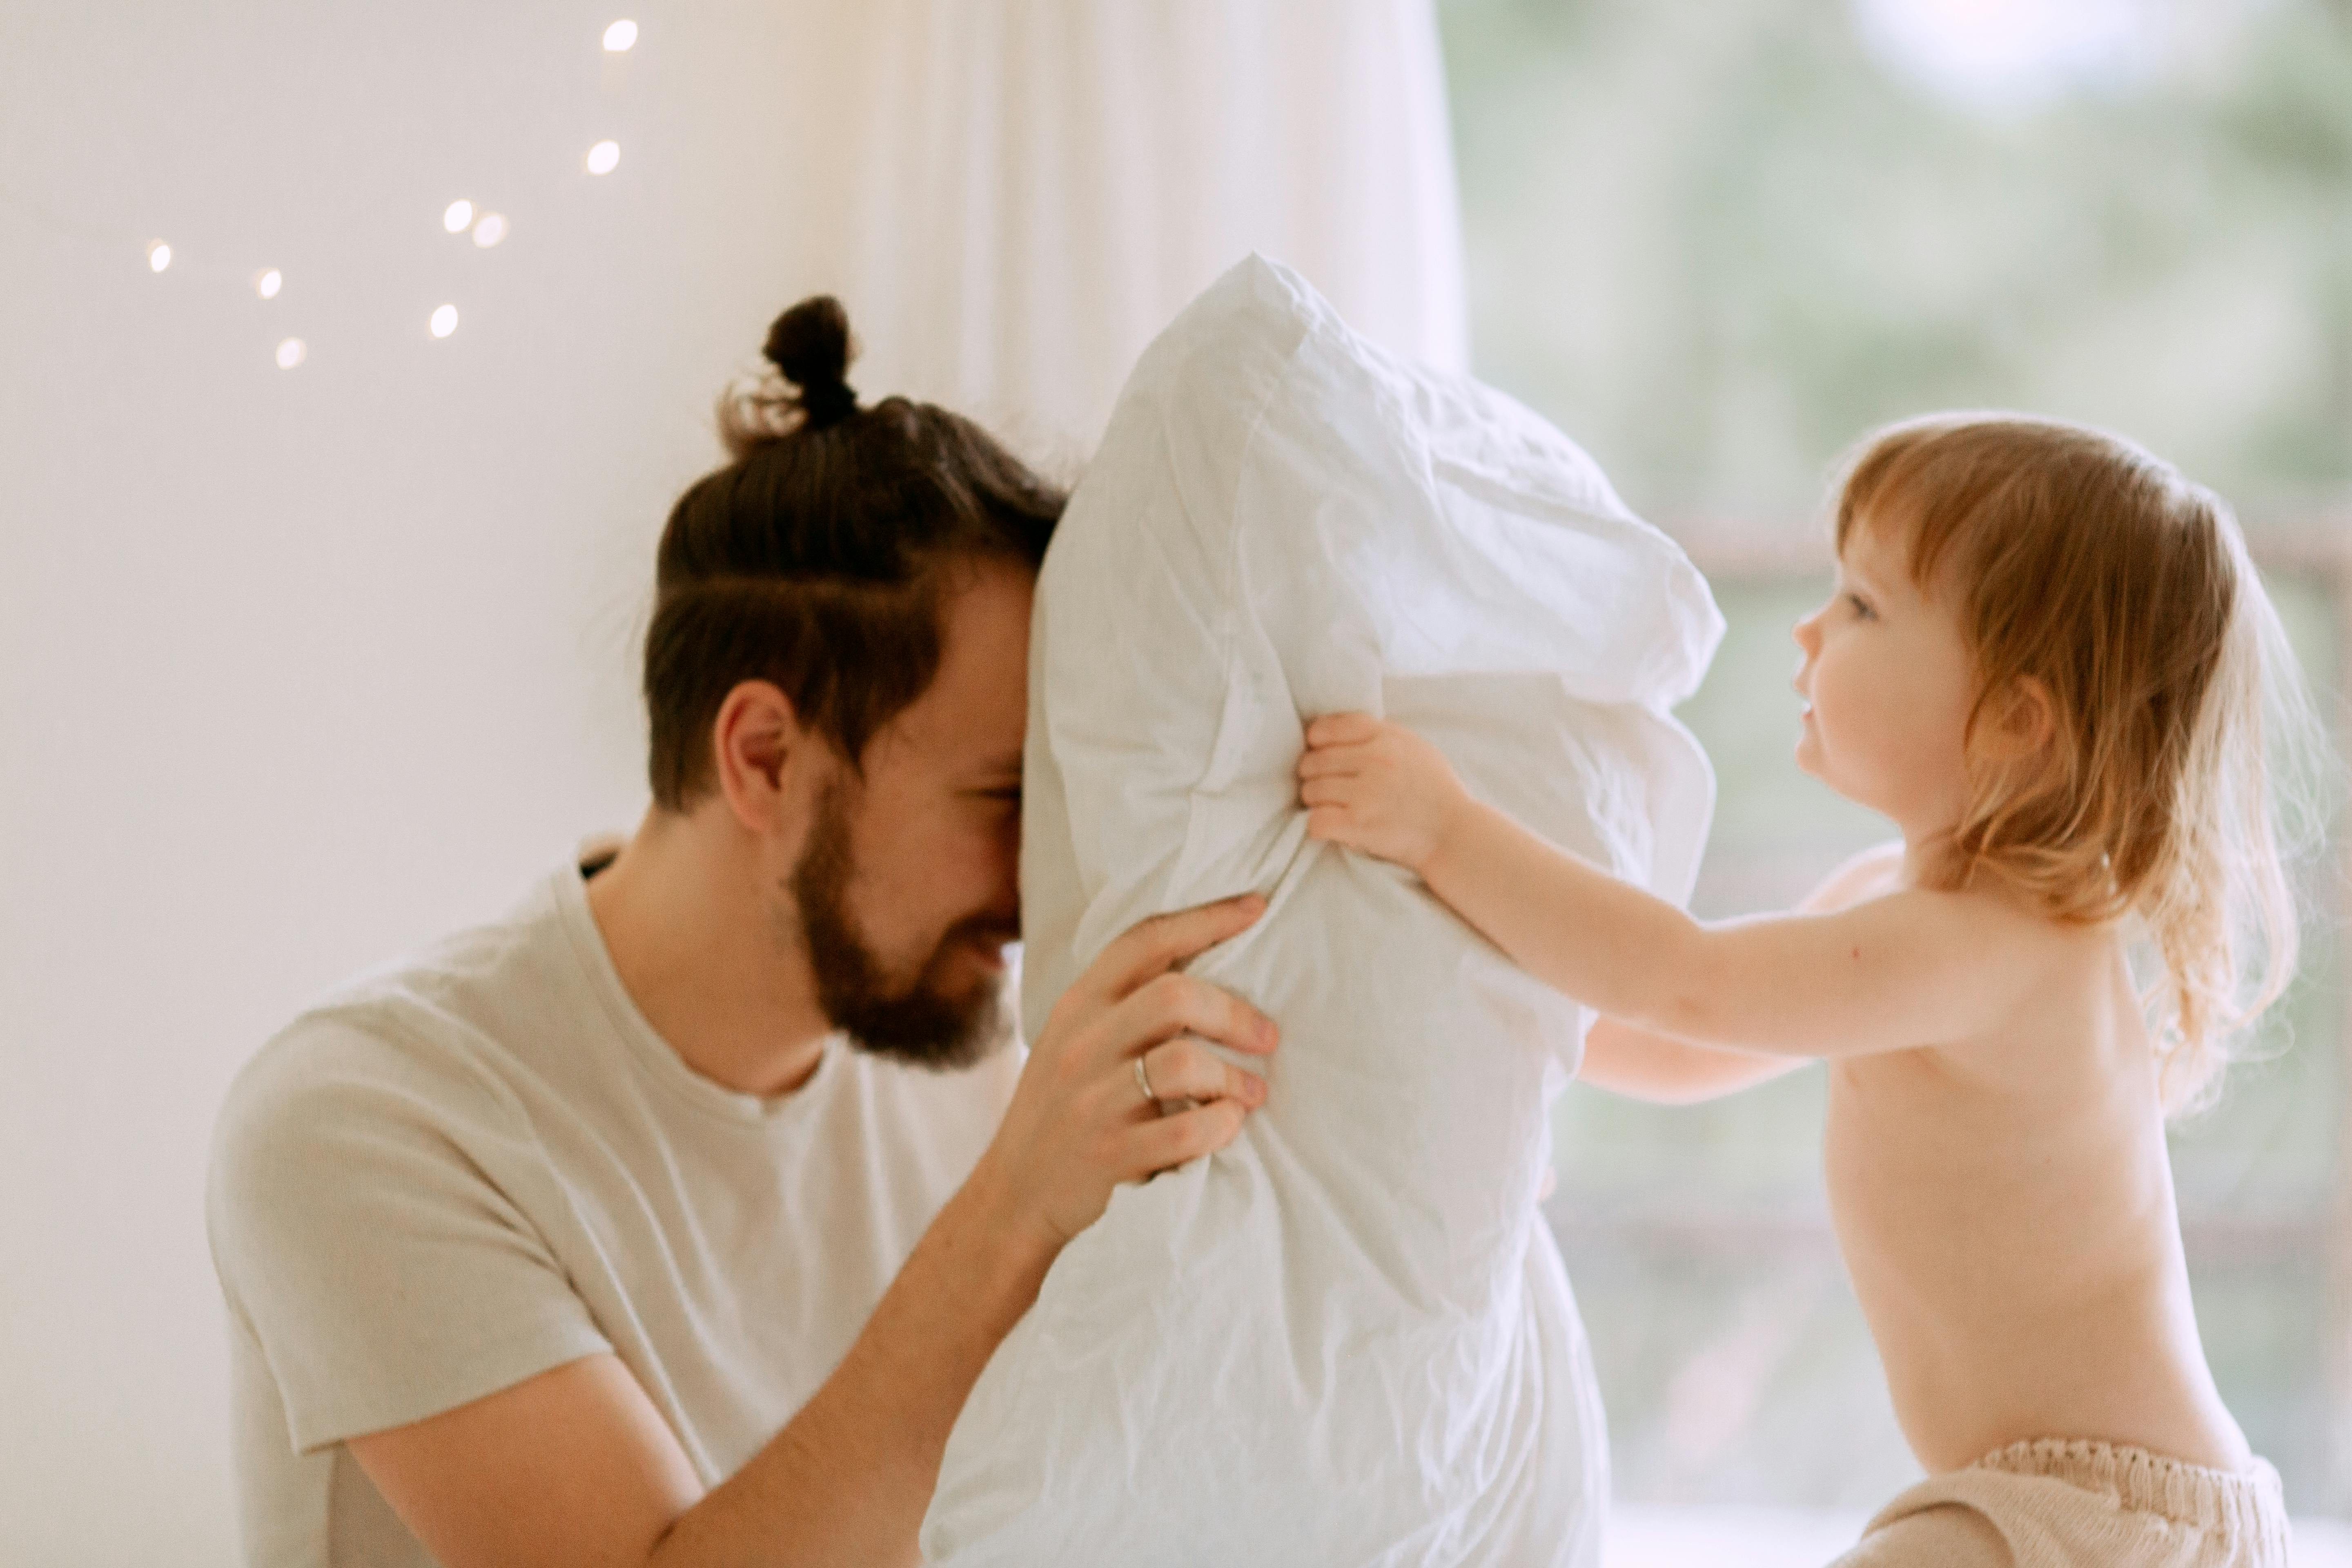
(692, 933)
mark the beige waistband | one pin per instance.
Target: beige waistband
(2240, 1502)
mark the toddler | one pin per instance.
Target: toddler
(2049, 661)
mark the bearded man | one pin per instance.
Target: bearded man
(671, 1219)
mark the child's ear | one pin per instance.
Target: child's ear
(2024, 720)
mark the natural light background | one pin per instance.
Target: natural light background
(1718, 239)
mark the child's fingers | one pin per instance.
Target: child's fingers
(1323, 792)
(1342, 729)
(1328, 822)
(1327, 761)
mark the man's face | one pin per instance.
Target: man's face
(906, 889)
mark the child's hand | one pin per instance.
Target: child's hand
(1378, 787)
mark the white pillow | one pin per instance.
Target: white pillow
(1347, 1338)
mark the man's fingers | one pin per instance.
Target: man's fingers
(1185, 1069)
(1176, 1004)
(1187, 1135)
(1150, 948)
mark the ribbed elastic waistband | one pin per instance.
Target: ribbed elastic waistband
(2243, 1503)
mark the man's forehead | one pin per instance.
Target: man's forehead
(949, 738)
(971, 721)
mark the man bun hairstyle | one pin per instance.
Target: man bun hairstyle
(821, 557)
(811, 347)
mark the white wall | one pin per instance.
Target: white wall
(298, 668)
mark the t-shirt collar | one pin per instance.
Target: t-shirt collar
(647, 1048)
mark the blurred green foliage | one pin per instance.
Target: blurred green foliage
(1716, 241)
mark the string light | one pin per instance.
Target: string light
(489, 229)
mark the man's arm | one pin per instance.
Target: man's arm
(577, 1466)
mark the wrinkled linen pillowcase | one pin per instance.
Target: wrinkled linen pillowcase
(1347, 1338)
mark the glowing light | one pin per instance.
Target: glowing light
(267, 284)
(603, 157)
(445, 321)
(2006, 54)
(159, 257)
(460, 214)
(491, 230)
(291, 352)
(620, 36)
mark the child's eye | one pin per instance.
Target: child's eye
(1862, 606)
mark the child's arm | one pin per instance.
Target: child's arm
(1625, 1060)
(1635, 1062)
(1910, 968)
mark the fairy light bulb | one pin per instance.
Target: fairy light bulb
(458, 216)
(445, 321)
(491, 230)
(267, 284)
(291, 352)
(159, 257)
(604, 157)
(620, 36)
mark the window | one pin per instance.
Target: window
(1717, 240)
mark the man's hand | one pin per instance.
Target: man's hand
(1079, 1123)
(577, 1466)
(1378, 787)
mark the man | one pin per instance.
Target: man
(644, 1227)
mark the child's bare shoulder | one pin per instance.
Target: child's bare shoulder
(1874, 873)
(1991, 914)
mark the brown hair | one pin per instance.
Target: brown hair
(2088, 567)
(819, 559)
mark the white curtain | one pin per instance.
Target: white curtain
(1028, 190)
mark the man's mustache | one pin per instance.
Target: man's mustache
(998, 928)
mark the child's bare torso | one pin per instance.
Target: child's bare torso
(2005, 1208)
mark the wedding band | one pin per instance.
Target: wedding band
(1143, 1082)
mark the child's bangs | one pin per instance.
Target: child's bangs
(1919, 486)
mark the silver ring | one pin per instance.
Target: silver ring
(1143, 1082)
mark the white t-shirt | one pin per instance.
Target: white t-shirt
(482, 1163)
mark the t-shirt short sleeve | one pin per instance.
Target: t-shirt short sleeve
(370, 1237)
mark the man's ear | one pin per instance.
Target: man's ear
(754, 743)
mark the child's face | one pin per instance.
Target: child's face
(1888, 685)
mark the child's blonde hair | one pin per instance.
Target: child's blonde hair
(2081, 564)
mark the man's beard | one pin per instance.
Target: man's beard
(913, 1024)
